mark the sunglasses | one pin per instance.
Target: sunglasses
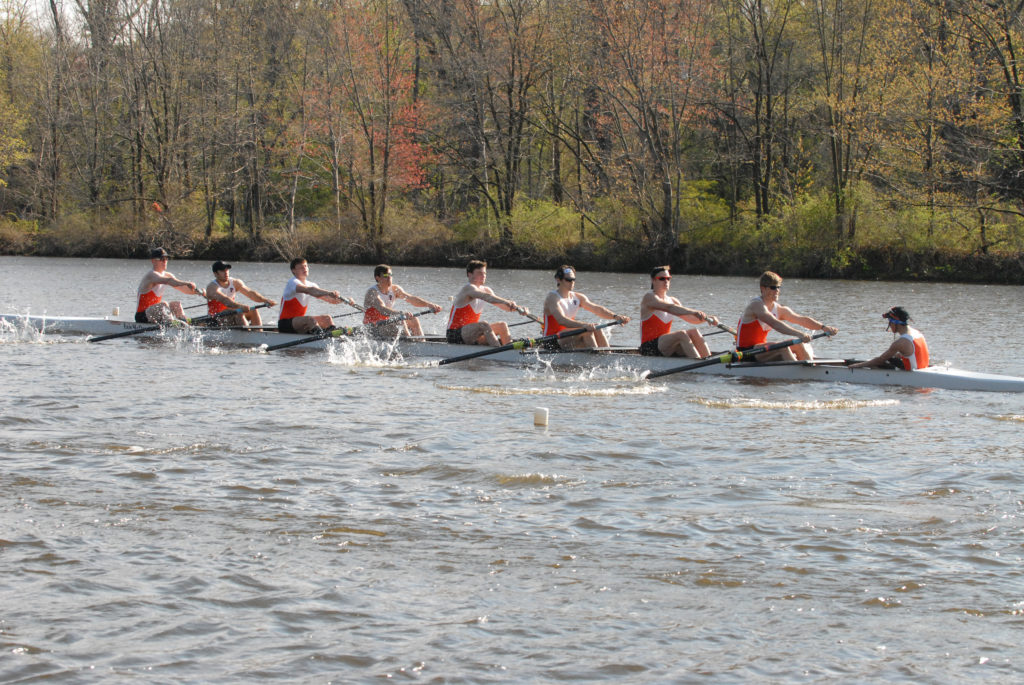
(774, 287)
(387, 275)
(570, 280)
(663, 278)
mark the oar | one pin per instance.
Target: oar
(528, 315)
(725, 329)
(173, 322)
(730, 357)
(348, 330)
(524, 344)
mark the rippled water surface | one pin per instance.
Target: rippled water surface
(175, 512)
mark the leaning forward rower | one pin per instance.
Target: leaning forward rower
(151, 308)
(464, 324)
(295, 301)
(561, 306)
(379, 303)
(657, 311)
(220, 295)
(764, 313)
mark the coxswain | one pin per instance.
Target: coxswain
(221, 293)
(464, 324)
(658, 310)
(379, 303)
(908, 351)
(764, 313)
(151, 308)
(561, 306)
(292, 317)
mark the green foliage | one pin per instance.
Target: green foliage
(18, 237)
(544, 228)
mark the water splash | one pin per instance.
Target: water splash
(21, 330)
(363, 351)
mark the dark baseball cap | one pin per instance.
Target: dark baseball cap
(220, 266)
(158, 253)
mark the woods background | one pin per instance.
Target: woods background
(853, 138)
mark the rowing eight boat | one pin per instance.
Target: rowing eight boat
(834, 370)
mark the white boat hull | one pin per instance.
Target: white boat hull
(624, 358)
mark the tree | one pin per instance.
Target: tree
(657, 60)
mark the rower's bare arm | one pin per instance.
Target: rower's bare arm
(373, 299)
(212, 293)
(417, 301)
(897, 347)
(685, 313)
(600, 310)
(253, 295)
(766, 317)
(807, 322)
(499, 302)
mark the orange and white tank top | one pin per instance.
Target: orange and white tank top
(656, 325)
(215, 307)
(463, 316)
(568, 307)
(372, 314)
(754, 333)
(154, 295)
(920, 358)
(294, 303)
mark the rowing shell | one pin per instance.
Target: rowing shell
(833, 370)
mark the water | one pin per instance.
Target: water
(177, 513)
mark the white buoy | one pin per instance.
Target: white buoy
(540, 416)
(115, 311)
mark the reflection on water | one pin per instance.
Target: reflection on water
(173, 511)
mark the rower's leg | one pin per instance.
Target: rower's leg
(699, 344)
(677, 344)
(600, 339)
(413, 327)
(177, 310)
(160, 313)
(252, 318)
(500, 330)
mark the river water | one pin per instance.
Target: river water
(180, 513)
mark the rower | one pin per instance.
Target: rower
(908, 351)
(764, 313)
(379, 305)
(220, 296)
(658, 309)
(295, 301)
(464, 324)
(561, 306)
(151, 308)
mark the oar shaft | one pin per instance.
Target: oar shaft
(524, 344)
(350, 330)
(175, 322)
(732, 356)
